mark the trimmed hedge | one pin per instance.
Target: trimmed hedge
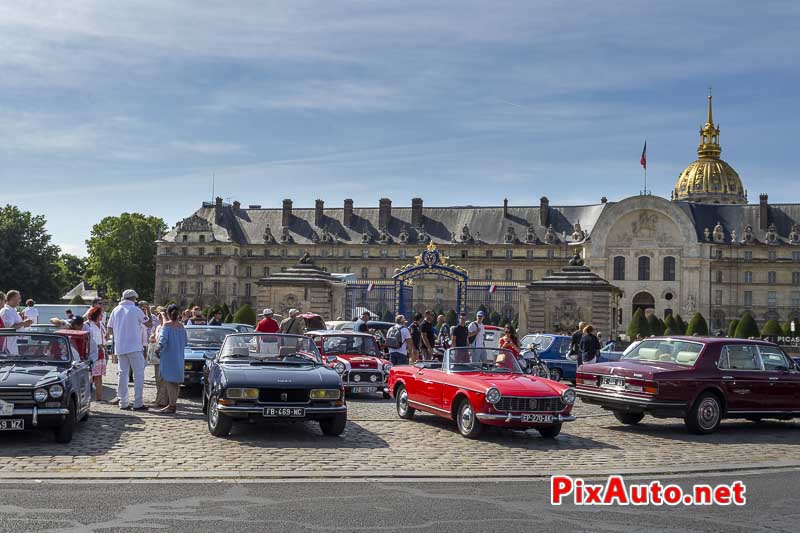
(638, 325)
(245, 315)
(747, 327)
(671, 326)
(771, 329)
(697, 325)
(732, 327)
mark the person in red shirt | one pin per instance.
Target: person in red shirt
(510, 341)
(268, 324)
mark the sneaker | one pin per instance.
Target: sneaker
(125, 408)
(141, 408)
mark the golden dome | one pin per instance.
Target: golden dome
(710, 179)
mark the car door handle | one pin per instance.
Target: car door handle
(774, 379)
(727, 377)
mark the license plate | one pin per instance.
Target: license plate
(542, 419)
(363, 389)
(12, 425)
(285, 412)
(6, 408)
(612, 382)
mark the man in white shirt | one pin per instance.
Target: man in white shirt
(30, 312)
(11, 319)
(125, 325)
(477, 331)
(399, 355)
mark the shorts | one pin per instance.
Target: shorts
(99, 368)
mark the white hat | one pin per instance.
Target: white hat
(293, 312)
(129, 294)
(268, 312)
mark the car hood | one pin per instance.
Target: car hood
(360, 362)
(259, 375)
(198, 352)
(28, 374)
(513, 384)
(633, 369)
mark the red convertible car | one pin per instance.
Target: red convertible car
(481, 386)
(356, 357)
(702, 380)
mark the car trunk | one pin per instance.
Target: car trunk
(631, 369)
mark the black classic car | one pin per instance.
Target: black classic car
(43, 384)
(258, 376)
(202, 342)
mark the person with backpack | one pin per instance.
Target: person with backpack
(477, 331)
(398, 340)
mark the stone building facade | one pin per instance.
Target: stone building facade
(705, 249)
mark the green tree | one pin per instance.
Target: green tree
(122, 254)
(681, 324)
(697, 325)
(28, 258)
(747, 327)
(732, 327)
(638, 325)
(245, 315)
(771, 329)
(671, 326)
(77, 300)
(655, 325)
(71, 271)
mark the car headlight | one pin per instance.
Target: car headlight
(40, 395)
(568, 396)
(493, 395)
(326, 394)
(56, 391)
(386, 368)
(242, 394)
(339, 367)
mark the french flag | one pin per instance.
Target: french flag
(492, 289)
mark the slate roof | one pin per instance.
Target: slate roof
(485, 224)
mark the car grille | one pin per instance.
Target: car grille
(510, 403)
(17, 396)
(292, 395)
(365, 377)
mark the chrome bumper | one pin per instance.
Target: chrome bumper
(508, 417)
(616, 397)
(259, 409)
(35, 412)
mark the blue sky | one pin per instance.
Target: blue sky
(119, 106)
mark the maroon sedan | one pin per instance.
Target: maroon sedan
(699, 379)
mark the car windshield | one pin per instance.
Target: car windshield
(665, 351)
(542, 342)
(482, 360)
(211, 336)
(271, 348)
(34, 347)
(349, 344)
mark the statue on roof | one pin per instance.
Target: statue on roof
(305, 259)
(577, 232)
(530, 235)
(511, 236)
(466, 236)
(772, 234)
(719, 233)
(550, 236)
(576, 259)
(748, 234)
(269, 238)
(794, 235)
(286, 237)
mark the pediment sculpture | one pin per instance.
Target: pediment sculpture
(269, 238)
(511, 236)
(794, 235)
(771, 235)
(550, 236)
(286, 237)
(719, 233)
(747, 236)
(193, 223)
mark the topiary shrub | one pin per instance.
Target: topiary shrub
(681, 324)
(77, 300)
(638, 325)
(697, 325)
(655, 325)
(732, 327)
(226, 311)
(228, 319)
(771, 329)
(670, 326)
(245, 315)
(747, 327)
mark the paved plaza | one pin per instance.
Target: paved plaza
(114, 443)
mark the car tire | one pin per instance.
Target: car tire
(629, 419)
(63, 433)
(205, 404)
(333, 427)
(550, 432)
(556, 374)
(705, 416)
(85, 416)
(467, 421)
(404, 410)
(219, 424)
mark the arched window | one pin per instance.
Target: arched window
(644, 268)
(619, 268)
(669, 268)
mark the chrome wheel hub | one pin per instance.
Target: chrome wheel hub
(467, 418)
(213, 414)
(708, 413)
(402, 402)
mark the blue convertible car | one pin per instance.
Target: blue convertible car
(554, 350)
(202, 341)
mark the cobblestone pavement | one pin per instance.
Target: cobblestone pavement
(376, 442)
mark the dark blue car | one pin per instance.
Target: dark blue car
(202, 341)
(554, 350)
